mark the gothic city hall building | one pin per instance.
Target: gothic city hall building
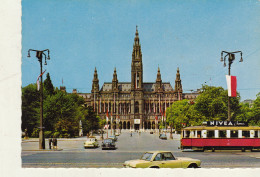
(136, 104)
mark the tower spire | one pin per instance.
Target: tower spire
(115, 81)
(95, 82)
(178, 86)
(136, 37)
(158, 86)
(137, 65)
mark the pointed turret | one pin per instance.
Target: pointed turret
(137, 54)
(158, 75)
(95, 82)
(115, 81)
(178, 86)
(158, 85)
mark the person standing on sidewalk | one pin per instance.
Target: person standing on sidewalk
(50, 143)
(55, 143)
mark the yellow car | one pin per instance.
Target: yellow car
(91, 143)
(162, 159)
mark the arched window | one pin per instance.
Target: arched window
(137, 81)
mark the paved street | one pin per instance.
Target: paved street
(74, 155)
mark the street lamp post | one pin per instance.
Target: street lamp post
(39, 54)
(231, 58)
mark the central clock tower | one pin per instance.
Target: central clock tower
(137, 65)
(137, 94)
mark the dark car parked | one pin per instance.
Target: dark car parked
(113, 137)
(163, 137)
(108, 144)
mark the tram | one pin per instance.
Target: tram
(221, 135)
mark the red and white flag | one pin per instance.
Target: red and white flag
(232, 85)
(107, 116)
(38, 82)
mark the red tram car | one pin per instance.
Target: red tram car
(218, 135)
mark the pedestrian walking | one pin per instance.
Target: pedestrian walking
(131, 134)
(50, 143)
(55, 143)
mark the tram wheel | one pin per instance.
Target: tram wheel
(213, 149)
(243, 150)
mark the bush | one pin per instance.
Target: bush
(56, 134)
(65, 135)
(35, 133)
(48, 134)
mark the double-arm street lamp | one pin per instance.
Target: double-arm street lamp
(39, 54)
(231, 58)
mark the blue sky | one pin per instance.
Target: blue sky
(84, 34)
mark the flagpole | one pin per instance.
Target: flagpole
(107, 130)
(231, 58)
(107, 122)
(111, 122)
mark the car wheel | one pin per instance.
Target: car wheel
(192, 166)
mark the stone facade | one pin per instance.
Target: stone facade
(135, 104)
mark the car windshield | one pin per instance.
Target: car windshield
(91, 139)
(107, 141)
(147, 156)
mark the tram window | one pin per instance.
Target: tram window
(222, 133)
(256, 134)
(234, 134)
(187, 135)
(199, 134)
(245, 134)
(210, 134)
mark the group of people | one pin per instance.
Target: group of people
(53, 143)
(139, 132)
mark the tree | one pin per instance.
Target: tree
(255, 119)
(90, 121)
(212, 103)
(245, 114)
(48, 86)
(102, 123)
(177, 114)
(30, 108)
(61, 113)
